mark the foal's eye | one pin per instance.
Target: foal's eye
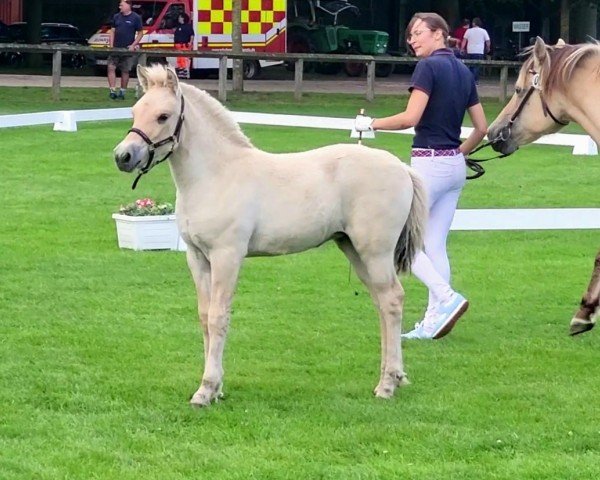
(163, 118)
(518, 90)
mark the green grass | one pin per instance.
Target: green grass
(101, 348)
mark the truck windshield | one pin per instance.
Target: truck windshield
(149, 11)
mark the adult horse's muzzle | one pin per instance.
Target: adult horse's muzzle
(501, 138)
(129, 155)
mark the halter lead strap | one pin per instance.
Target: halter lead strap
(152, 146)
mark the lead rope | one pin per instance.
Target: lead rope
(474, 163)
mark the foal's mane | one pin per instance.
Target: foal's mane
(210, 108)
(560, 63)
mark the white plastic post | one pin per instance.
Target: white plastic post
(585, 146)
(65, 122)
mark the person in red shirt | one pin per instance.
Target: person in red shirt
(459, 32)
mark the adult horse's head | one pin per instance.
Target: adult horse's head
(157, 121)
(539, 105)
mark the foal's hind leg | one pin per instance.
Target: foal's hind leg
(346, 246)
(379, 276)
(584, 319)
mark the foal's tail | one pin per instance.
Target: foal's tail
(411, 238)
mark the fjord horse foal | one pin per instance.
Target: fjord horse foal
(234, 201)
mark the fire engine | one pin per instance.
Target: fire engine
(264, 25)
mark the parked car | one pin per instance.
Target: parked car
(51, 34)
(4, 37)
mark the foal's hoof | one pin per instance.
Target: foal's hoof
(204, 397)
(581, 325)
(200, 400)
(386, 389)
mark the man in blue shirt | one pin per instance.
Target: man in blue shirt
(126, 32)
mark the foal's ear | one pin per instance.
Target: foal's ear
(540, 54)
(142, 75)
(172, 80)
(560, 43)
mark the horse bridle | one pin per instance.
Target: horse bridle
(505, 132)
(152, 146)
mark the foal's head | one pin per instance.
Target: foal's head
(538, 105)
(157, 121)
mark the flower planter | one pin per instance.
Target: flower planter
(152, 232)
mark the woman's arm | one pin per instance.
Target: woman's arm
(408, 118)
(479, 129)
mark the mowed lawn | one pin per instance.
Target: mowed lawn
(101, 348)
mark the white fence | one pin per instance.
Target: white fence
(465, 219)
(67, 121)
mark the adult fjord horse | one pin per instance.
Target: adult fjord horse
(557, 84)
(234, 200)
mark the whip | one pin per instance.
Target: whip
(360, 135)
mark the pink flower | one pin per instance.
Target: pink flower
(144, 203)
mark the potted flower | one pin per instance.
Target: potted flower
(148, 225)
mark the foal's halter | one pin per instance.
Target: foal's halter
(505, 132)
(152, 146)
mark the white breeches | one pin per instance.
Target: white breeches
(444, 178)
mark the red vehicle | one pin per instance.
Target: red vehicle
(264, 24)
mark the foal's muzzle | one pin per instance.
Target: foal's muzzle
(130, 156)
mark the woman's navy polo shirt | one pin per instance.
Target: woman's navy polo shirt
(451, 89)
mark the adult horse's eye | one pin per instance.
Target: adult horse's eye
(518, 90)
(163, 118)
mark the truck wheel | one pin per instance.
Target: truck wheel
(251, 69)
(15, 59)
(298, 42)
(383, 69)
(77, 61)
(328, 68)
(354, 69)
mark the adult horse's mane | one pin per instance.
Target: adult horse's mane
(220, 118)
(560, 62)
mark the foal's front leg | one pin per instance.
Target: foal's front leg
(584, 318)
(224, 267)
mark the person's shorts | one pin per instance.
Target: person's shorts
(122, 62)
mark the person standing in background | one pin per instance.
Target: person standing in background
(476, 42)
(184, 40)
(126, 32)
(459, 32)
(457, 36)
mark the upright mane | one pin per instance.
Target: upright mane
(560, 63)
(220, 118)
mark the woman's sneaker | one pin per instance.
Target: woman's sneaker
(441, 320)
(448, 314)
(419, 330)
